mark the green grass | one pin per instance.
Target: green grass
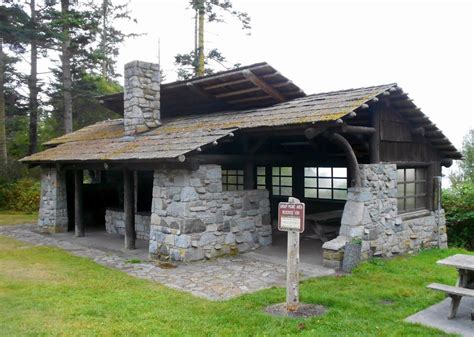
(17, 218)
(45, 291)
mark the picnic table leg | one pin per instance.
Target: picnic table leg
(463, 278)
(455, 300)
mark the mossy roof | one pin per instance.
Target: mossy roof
(105, 141)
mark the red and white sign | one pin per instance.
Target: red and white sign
(291, 216)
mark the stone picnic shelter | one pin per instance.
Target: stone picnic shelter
(197, 167)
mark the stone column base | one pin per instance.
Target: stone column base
(333, 252)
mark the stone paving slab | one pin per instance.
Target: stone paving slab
(216, 279)
(436, 316)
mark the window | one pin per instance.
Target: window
(91, 177)
(411, 189)
(325, 183)
(261, 178)
(282, 181)
(232, 180)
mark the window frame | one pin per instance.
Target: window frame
(279, 186)
(239, 179)
(263, 175)
(317, 188)
(416, 195)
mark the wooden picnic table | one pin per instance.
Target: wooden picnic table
(465, 283)
(465, 266)
(322, 231)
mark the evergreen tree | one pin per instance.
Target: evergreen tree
(110, 37)
(197, 62)
(465, 173)
(3, 133)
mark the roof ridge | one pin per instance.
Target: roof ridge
(389, 85)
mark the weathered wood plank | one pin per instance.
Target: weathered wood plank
(263, 85)
(460, 261)
(375, 138)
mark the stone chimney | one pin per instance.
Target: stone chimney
(141, 97)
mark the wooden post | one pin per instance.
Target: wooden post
(249, 176)
(292, 274)
(249, 172)
(375, 138)
(78, 221)
(437, 181)
(128, 208)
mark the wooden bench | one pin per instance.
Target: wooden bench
(456, 293)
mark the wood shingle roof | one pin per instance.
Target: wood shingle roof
(177, 136)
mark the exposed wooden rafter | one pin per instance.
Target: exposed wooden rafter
(263, 85)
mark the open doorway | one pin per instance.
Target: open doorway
(101, 190)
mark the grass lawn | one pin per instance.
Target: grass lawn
(46, 291)
(16, 218)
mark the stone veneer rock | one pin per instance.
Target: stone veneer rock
(141, 97)
(115, 223)
(52, 215)
(371, 215)
(192, 218)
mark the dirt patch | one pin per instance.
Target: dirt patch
(302, 311)
(166, 265)
(387, 302)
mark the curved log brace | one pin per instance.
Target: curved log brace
(341, 142)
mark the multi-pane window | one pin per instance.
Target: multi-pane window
(325, 183)
(261, 178)
(282, 180)
(232, 180)
(411, 189)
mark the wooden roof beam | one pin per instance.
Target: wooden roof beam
(282, 84)
(249, 99)
(238, 92)
(225, 84)
(263, 85)
(353, 129)
(434, 134)
(199, 91)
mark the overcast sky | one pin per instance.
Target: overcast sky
(424, 46)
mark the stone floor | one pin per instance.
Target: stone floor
(216, 279)
(436, 316)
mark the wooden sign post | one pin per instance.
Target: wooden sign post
(291, 220)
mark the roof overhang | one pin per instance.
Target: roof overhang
(257, 85)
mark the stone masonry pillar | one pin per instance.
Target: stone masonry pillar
(53, 216)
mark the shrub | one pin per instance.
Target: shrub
(459, 205)
(22, 195)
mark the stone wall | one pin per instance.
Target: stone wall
(52, 215)
(141, 97)
(371, 215)
(192, 218)
(115, 223)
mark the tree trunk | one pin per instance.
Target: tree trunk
(200, 71)
(196, 37)
(33, 87)
(103, 38)
(66, 68)
(3, 134)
